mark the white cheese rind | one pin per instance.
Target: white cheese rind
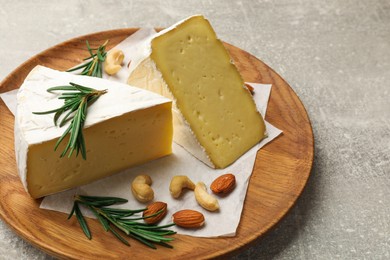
(21, 150)
(31, 129)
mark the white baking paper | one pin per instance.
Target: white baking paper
(221, 223)
(9, 99)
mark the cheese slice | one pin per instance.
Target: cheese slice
(126, 126)
(215, 117)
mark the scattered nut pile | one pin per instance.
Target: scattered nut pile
(156, 211)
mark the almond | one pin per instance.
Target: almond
(250, 88)
(154, 208)
(224, 184)
(188, 218)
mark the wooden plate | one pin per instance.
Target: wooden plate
(280, 172)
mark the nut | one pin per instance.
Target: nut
(141, 188)
(204, 199)
(224, 184)
(178, 183)
(188, 218)
(155, 212)
(250, 88)
(113, 62)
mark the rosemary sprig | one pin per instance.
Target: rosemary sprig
(94, 66)
(119, 218)
(77, 98)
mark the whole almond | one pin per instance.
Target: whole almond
(224, 184)
(153, 209)
(188, 218)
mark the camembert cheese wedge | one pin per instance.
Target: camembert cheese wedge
(126, 126)
(215, 116)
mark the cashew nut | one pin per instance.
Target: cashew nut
(113, 62)
(141, 188)
(204, 199)
(178, 183)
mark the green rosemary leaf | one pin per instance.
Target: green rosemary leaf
(63, 88)
(157, 227)
(87, 69)
(56, 116)
(95, 69)
(71, 212)
(71, 100)
(47, 112)
(165, 244)
(125, 219)
(81, 142)
(73, 94)
(89, 47)
(150, 235)
(124, 241)
(75, 123)
(158, 234)
(100, 72)
(94, 63)
(77, 149)
(65, 150)
(62, 137)
(65, 119)
(82, 222)
(145, 236)
(91, 100)
(144, 241)
(90, 57)
(157, 231)
(79, 67)
(100, 56)
(102, 220)
(117, 224)
(81, 88)
(67, 97)
(98, 198)
(83, 112)
(155, 214)
(99, 203)
(119, 215)
(122, 211)
(71, 103)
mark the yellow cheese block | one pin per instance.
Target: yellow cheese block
(124, 127)
(113, 145)
(189, 64)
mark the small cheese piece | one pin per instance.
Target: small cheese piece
(126, 126)
(215, 117)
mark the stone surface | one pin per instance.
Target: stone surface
(335, 55)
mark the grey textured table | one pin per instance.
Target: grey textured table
(334, 54)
